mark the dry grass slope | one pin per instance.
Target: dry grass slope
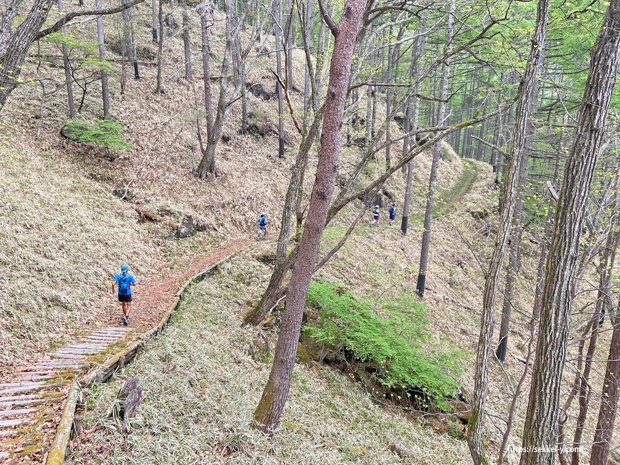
(201, 387)
(61, 236)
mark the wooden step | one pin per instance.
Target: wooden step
(28, 387)
(11, 423)
(65, 356)
(16, 412)
(84, 352)
(59, 364)
(87, 343)
(16, 384)
(5, 405)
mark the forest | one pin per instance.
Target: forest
(309, 231)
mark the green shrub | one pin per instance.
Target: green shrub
(535, 207)
(398, 342)
(102, 133)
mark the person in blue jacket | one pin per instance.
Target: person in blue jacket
(125, 280)
(262, 227)
(392, 211)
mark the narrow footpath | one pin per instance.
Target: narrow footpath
(31, 402)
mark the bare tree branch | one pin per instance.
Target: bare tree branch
(328, 19)
(74, 14)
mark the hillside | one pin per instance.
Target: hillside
(202, 372)
(72, 213)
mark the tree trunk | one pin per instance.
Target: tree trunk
(14, 46)
(609, 399)
(526, 95)
(430, 203)
(130, 43)
(269, 410)
(105, 89)
(206, 66)
(276, 11)
(514, 265)
(388, 99)
(603, 305)
(545, 242)
(160, 48)
(308, 44)
(154, 21)
(301, 161)
(540, 430)
(411, 120)
(215, 126)
(290, 43)
(320, 63)
(67, 68)
(187, 45)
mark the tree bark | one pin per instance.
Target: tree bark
(130, 43)
(540, 430)
(105, 89)
(160, 48)
(269, 410)
(277, 15)
(297, 175)
(308, 46)
(215, 126)
(526, 95)
(514, 265)
(14, 46)
(154, 21)
(441, 116)
(67, 69)
(206, 66)
(187, 45)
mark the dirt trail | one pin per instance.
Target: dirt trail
(154, 295)
(31, 399)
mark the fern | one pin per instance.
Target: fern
(399, 343)
(102, 133)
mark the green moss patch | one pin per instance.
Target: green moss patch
(104, 134)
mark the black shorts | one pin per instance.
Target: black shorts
(124, 298)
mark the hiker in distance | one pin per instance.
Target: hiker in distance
(375, 215)
(262, 227)
(392, 211)
(124, 280)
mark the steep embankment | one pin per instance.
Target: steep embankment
(203, 378)
(63, 232)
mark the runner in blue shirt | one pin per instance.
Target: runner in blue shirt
(262, 227)
(392, 212)
(124, 280)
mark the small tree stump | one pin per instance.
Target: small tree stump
(129, 399)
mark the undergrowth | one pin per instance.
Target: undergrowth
(104, 134)
(398, 342)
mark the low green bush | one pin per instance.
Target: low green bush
(102, 133)
(397, 340)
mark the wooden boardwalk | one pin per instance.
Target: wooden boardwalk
(31, 402)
